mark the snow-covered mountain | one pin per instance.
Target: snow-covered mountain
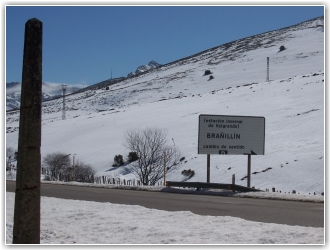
(144, 68)
(173, 96)
(49, 91)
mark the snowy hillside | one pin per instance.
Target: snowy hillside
(174, 95)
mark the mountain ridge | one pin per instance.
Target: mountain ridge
(49, 91)
(152, 65)
(144, 68)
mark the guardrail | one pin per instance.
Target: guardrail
(199, 185)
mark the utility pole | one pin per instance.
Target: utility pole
(26, 228)
(267, 79)
(63, 109)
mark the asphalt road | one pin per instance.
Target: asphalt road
(307, 214)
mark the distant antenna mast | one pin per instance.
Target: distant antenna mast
(111, 74)
(63, 109)
(267, 69)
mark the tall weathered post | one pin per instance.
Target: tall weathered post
(27, 195)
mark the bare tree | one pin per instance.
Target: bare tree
(57, 161)
(10, 157)
(81, 170)
(153, 153)
(84, 168)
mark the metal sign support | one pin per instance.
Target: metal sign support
(249, 171)
(208, 168)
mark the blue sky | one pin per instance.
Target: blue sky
(82, 44)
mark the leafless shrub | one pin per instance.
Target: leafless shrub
(57, 162)
(11, 156)
(153, 153)
(82, 170)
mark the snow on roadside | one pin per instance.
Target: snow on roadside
(85, 222)
(277, 196)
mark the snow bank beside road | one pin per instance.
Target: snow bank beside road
(85, 222)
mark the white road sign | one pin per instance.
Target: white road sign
(234, 135)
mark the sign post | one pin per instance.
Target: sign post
(249, 171)
(208, 168)
(231, 135)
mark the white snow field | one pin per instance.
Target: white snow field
(94, 223)
(172, 97)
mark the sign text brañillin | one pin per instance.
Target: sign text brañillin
(235, 135)
(231, 135)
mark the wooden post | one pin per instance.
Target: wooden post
(27, 195)
(249, 171)
(164, 168)
(208, 168)
(73, 177)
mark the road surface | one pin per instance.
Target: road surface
(309, 214)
